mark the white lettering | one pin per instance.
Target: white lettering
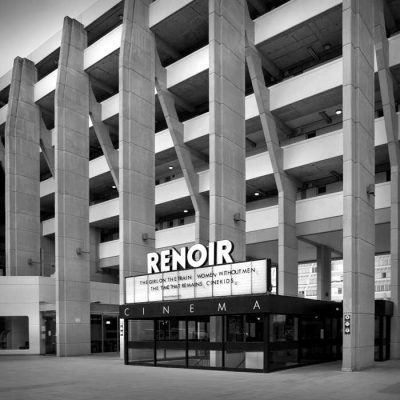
(152, 260)
(197, 248)
(165, 256)
(224, 249)
(179, 258)
(165, 310)
(256, 305)
(196, 256)
(221, 308)
(191, 308)
(143, 310)
(211, 253)
(126, 312)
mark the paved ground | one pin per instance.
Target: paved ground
(105, 377)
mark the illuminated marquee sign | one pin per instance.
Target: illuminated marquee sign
(176, 274)
(196, 256)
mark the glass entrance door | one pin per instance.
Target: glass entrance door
(104, 333)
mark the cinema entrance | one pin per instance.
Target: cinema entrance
(247, 333)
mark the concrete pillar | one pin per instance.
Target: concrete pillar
(227, 123)
(288, 275)
(94, 235)
(136, 142)
(395, 262)
(48, 255)
(323, 273)
(386, 86)
(358, 183)
(22, 173)
(72, 194)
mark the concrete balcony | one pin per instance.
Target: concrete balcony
(317, 208)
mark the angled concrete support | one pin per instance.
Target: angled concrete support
(47, 147)
(72, 194)
(176, 129)
(392, 134)
(103, 136)
(227, 123)
(358, 183)
(22, 173)
(287, 191)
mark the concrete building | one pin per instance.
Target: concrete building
(148, 125)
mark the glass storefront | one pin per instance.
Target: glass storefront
(255, 342)
(243, 333)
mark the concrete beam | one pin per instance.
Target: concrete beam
(103, 136)
(392, 134)
(183, 152)
(47, 147)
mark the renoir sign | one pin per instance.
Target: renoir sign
(212, 281)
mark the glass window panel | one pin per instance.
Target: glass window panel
(96, 333)
(142, 356)
(14, 333)
(205, 358)
(110, 333)
(235, 328)
(254, 328)
(313, 354)
(140, 330)
(170, 329)
(311, 328)
(283, 328)
(199, 329)
(216, 328)
(167, 356)
(239, 359)
(254, 360)
(279, 359)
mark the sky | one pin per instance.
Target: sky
(26, 24)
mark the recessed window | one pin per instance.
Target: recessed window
(322, 189)
(14, 333)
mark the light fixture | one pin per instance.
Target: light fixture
(170, 167)
(108, 322)
(338, 111)
(256, 194)
(113, 186)
(185, 211)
